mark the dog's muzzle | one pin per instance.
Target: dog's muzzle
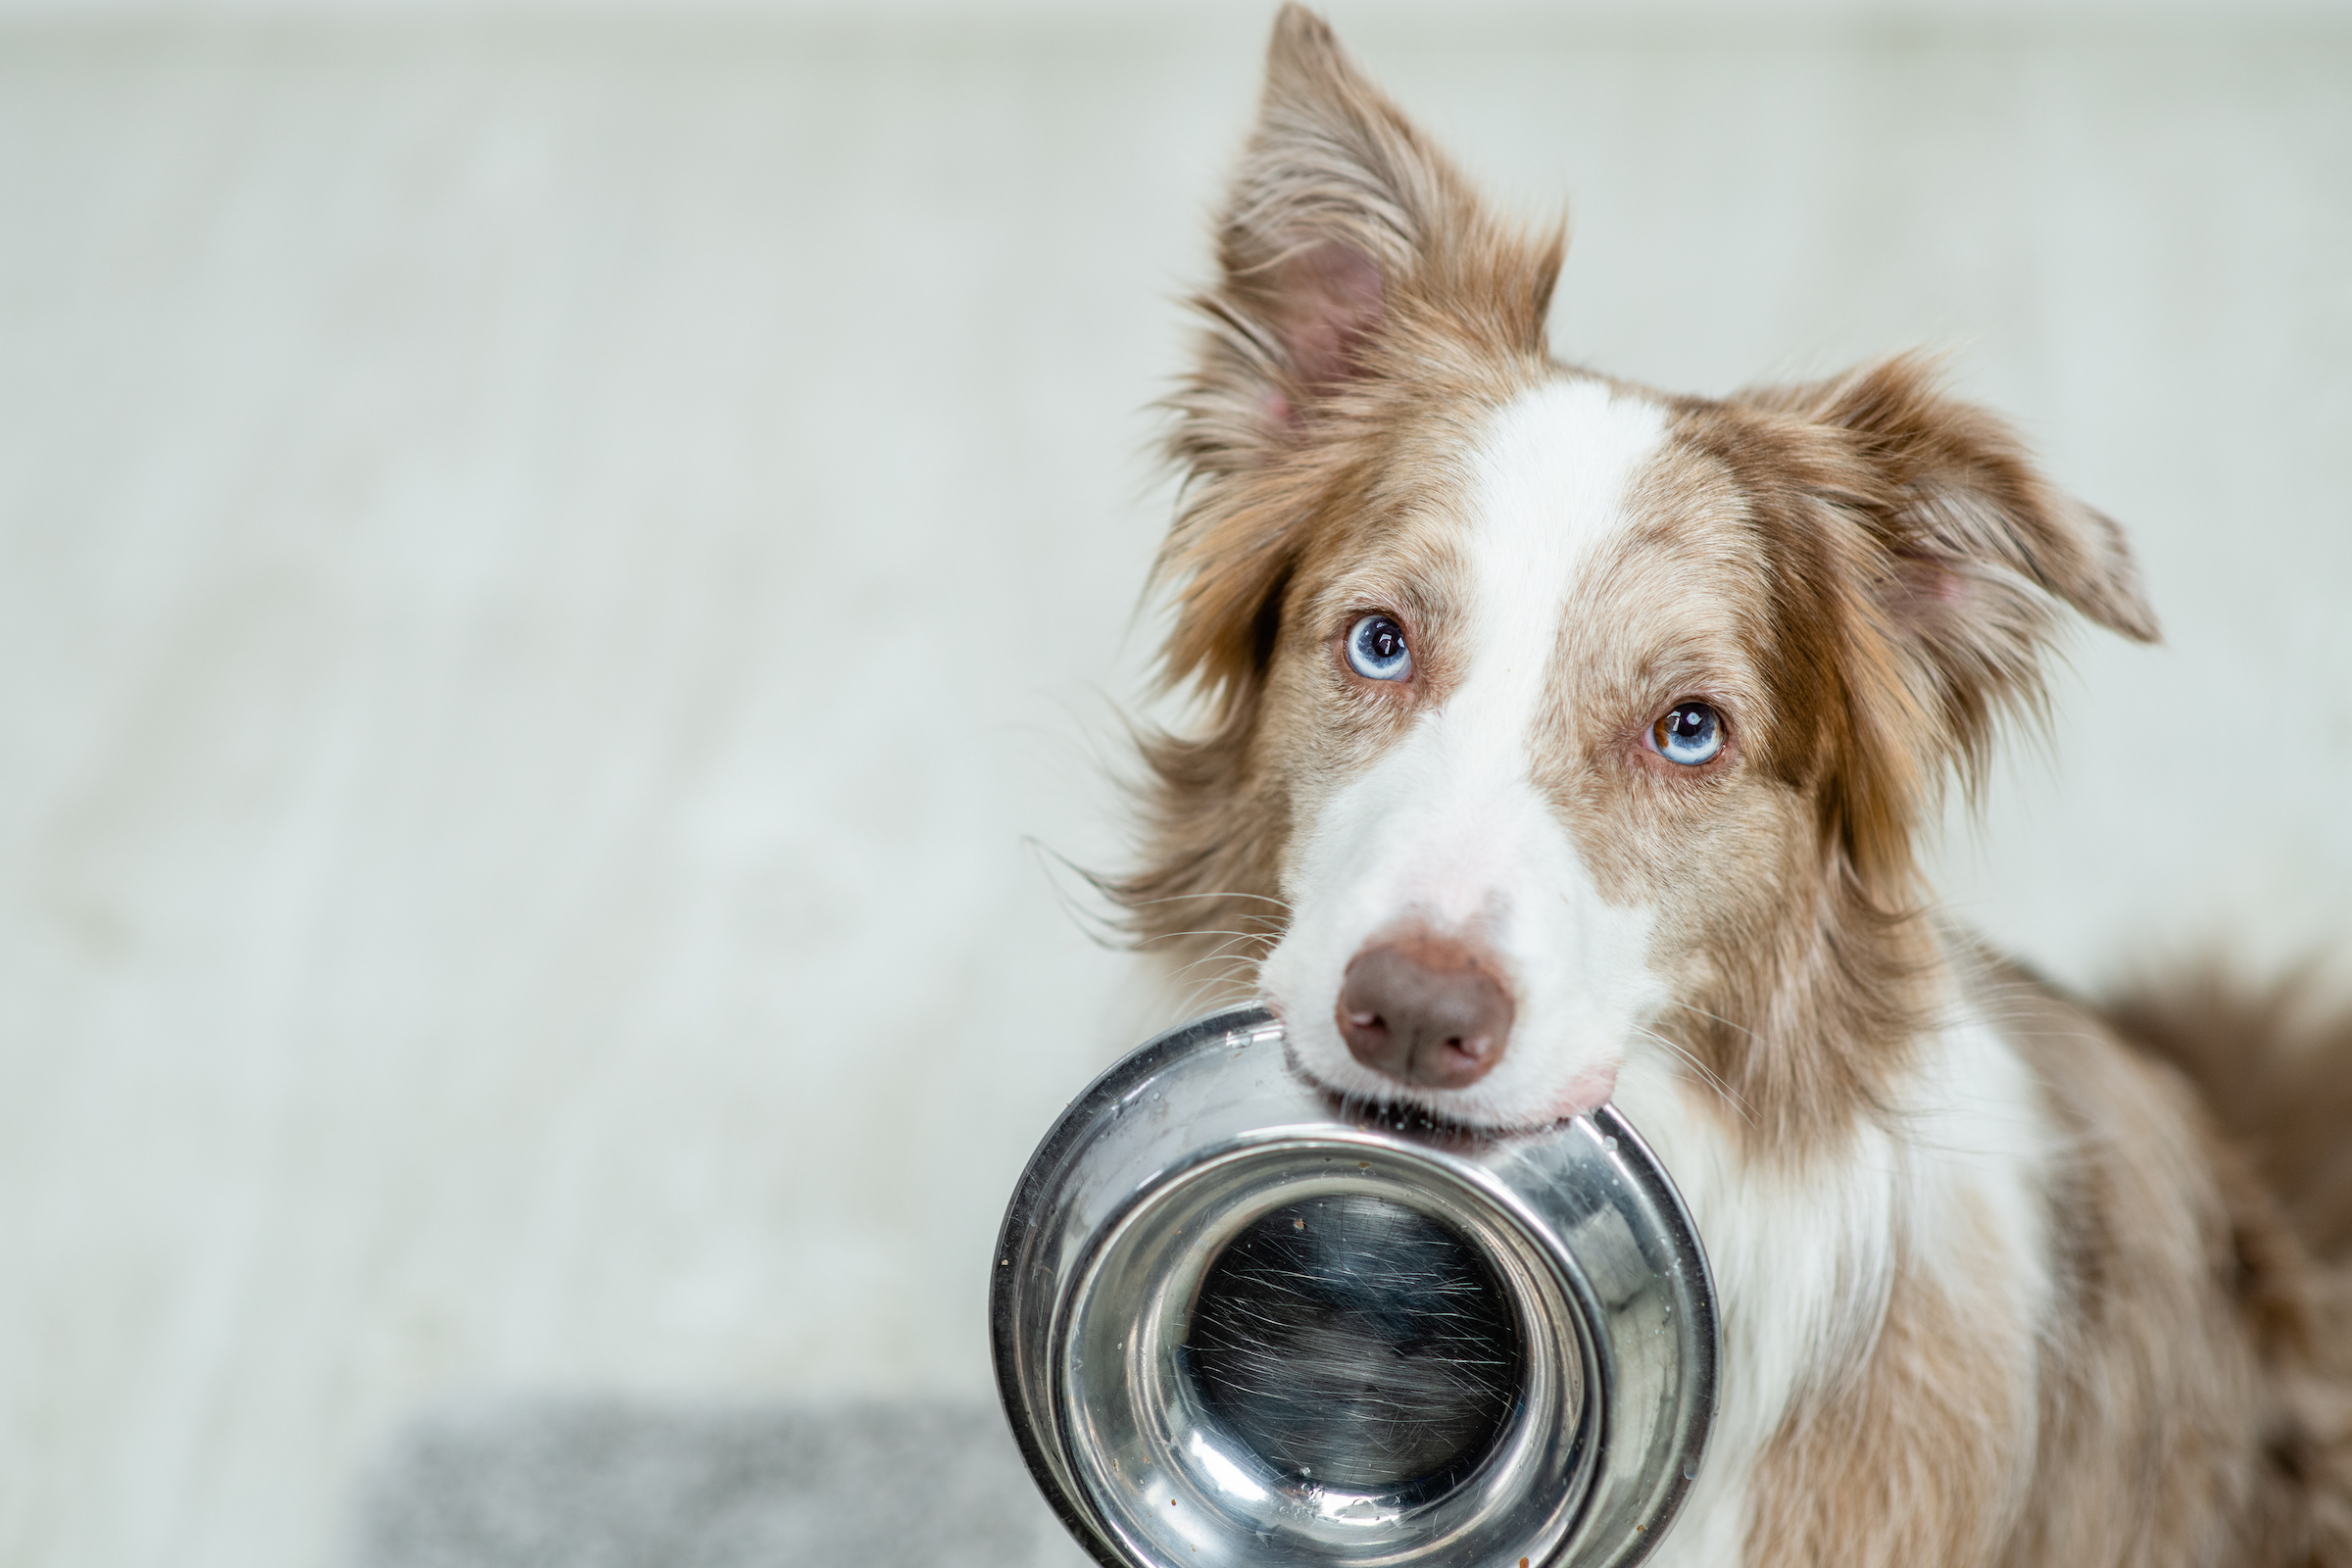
(1235, 1325)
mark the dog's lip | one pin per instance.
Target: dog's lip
(1588, 1090)
(1398, 1115)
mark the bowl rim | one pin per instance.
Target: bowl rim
(1035, 1414)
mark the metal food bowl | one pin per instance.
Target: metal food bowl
(1237, 1323)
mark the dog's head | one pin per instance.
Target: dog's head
(1554, 723)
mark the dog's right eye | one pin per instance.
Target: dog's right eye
(1376, 649)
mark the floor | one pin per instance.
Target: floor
(606, 1483)
(566, 588)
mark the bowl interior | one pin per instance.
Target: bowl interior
(1347, 1339)
(1333, 1349)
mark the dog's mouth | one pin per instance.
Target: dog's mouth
(1401, 1108)
(1391, 1115)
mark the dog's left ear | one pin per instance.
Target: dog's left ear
(1964, 516)
(1967, 551)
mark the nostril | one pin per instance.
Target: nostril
(1425, 1010)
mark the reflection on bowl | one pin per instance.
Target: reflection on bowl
(1356, 1342)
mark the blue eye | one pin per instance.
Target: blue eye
(1376, 649)
(1691, 734)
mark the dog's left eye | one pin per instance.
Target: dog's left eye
(1376, 649)
(1690, 733)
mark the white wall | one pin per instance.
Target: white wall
(1399, 16)
(549, 565)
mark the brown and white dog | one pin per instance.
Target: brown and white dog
(1565, 740)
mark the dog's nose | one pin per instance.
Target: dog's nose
(1425, 1011)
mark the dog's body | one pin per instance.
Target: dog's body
(1566, 741)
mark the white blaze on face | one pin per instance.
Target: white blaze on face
(1447, 828)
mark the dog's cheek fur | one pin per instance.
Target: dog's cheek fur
(1783, 929)
(1910, 560)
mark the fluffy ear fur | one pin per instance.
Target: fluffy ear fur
(1967, 553)
(1346, 241)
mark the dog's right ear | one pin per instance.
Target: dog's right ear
(1341, 220)
(1345, 240)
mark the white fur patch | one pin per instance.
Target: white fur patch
(1448, 829)
(1802, 1262)
(1803, 1259)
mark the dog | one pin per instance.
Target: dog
(1561, 740)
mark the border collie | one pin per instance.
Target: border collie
(1559, 740)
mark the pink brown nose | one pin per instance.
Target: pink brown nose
(1424, 1011)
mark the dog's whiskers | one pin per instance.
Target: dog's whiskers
(1706, 1074)
(1232, 961)
(1101, 929)
(1718, 1019)
(1284, 904)
(1235, 975)
(1234, 936)
(1236, 970)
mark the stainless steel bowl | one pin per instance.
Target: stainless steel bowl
(1236, 1322)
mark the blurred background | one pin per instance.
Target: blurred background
(551, 558)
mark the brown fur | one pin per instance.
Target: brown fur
(1923, 1444)
(2194, 1404)
(2274, 1065)
(2193, 1400)
(1884, 571)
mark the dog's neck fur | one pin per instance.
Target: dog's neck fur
(1938, 1190)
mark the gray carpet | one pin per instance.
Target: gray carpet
(612, 1484)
